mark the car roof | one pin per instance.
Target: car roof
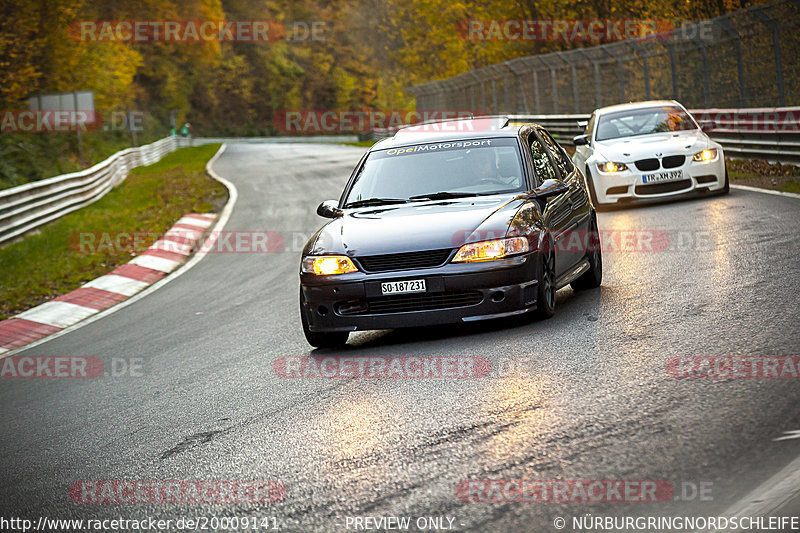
(635, 105)
(461, 129)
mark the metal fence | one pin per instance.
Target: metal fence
(748, 58)
(29, 206)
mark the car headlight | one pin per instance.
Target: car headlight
(610, 166)
(491, 250)
(326, 265)
(705, 155)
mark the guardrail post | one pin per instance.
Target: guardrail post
(776, 48)
(575, 97)
(645, 67)
(522, 100)
(620, 71)
(725, 24)
(598, 98)
(701, 45)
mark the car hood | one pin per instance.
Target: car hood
(415, 227)
(628, 149)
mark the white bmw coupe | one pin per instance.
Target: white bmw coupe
(648, 151)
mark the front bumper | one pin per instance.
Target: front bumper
(628, 185)
(456, 293)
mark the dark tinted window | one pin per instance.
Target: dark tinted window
(643, 121)
(479, 166)
(541, 163)
(558, 154)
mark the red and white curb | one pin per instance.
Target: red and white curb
(164, 256)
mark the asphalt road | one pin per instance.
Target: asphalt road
(584, 395)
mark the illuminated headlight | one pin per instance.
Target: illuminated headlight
(610, 166)
(705, 155)
(326, 265)
(491, 250)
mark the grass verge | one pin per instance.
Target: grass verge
(47, 263)
(760, 173)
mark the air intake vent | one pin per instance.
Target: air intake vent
(421, 302)
(660, 188)
(405, 261)
(673, 161)
(647, 164)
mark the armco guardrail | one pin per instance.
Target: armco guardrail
(34, 204)
(30, 206)
(765, 133)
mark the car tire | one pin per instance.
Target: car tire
(335, 339)
(546, 283)
(592, 193)
(592, 278)
(727, 187)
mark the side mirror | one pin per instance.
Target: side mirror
(329, 209)
(580, 140)
(549, 188)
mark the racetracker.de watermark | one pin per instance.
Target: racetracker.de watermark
(52, 121)
(273, 241)
(376, 367)
(311, 121)
(598, 30)
(68, 367)
(734, 367)
(196, 31)
(563, 491)
(133, 492)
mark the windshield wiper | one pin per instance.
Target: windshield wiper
(376, 201)
(442, 195)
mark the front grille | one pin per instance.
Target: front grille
(405, 261)
(673, 161)
(705, 179)
(620, 189)
(647, 164)
(421, 302)
(659, 188)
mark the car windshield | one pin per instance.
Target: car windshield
(438, 170)
(643, 121)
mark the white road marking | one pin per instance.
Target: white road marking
(769, 497)
(57, 314)
(155, 262)
(195, 221)
(172, 246)
(789, 435)
(184, 233)
(765, 191)
(220, 225)
(118, 284)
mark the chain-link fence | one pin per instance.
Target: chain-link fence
(748, 58)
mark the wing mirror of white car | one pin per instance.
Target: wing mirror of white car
(581, 140)
(329, 209)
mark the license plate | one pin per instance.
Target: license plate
(670, 175)
(403, 287)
